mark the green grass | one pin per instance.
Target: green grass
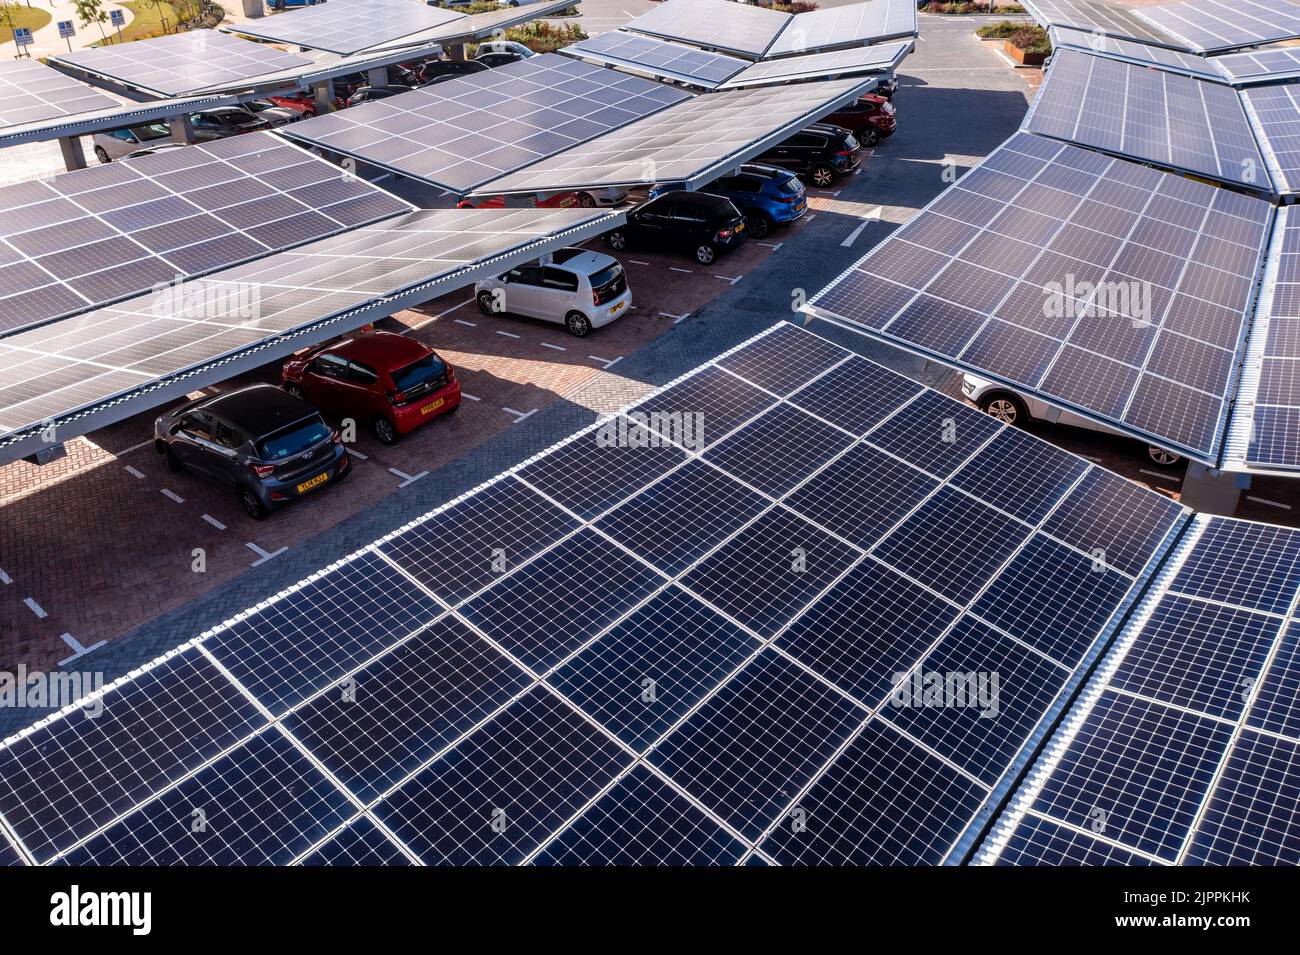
(21, 16)
(145, 22)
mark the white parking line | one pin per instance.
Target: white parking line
(134, 447)
(872, 216)
(214, 522)
(461, 321)
(134, 472)
(677, 319)
(5, 578)
(35, 608)
(466, 394)
(554, 347)
(442, 314)
(674, 268)
(772, 245)
(508, 334)
(638, 262)
(262, 555)
(357, 454)
(519, 415)
(729, 279)
(173, 496)
(1160, 474)
(407, 478)
(75, 644)
(607, 362)
(1264, 500)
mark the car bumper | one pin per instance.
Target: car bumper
(788, 213)
(276, 493)
(615, 309)
(406, 419)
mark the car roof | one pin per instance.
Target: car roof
(827, 128)
(760, 171)
(258, 409)
(583, 261)
(695, 198)
(381, 350)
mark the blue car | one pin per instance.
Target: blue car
(765, 195)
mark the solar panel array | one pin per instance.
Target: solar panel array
(1260, 66)
(845, 26)
(30, 91)
(686, 141)
(53, 371)
(466, 132)
(1211, 25)
(1186, 746)
(181, 62)
(659, 58)
(476, 25)
(88, 237)
(636, 651)
(1099, 16)
(1151, 115)
(1104, 286)
(346, 27)
(1133, 51)
(863, 59)
(1275, 111)
(717, 24)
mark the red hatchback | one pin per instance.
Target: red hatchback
(390, 382)
(871, 118)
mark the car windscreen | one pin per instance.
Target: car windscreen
(292, 440)
(151, 131)
(419, 372)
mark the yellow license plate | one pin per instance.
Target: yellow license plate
(318, 479)
(617, 308)
(433, 406)
(740, 227)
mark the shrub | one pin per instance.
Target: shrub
(1031, 39)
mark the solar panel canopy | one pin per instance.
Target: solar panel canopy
(864, 59)
(187, 334)
(180, 63)
(88, 237)
(716, 24)
(689, 648)
(1098, 16)
(346, 27)
(30, 92)
(1112, 289)
(465, 132)
(1211, 25)
(1152, 115)
(1185, 748)
(1136, 52)
(1259, 66)
(850, 25)
(1275, 112)
(659, 58)
(476, 25)
(690, 142)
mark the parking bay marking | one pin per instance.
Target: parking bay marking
(134, 472)
(519, 415)
(1266, 501)
(35, 608)
(214, 522)
(407, 478)
(262, 555)
(172, 496)
(5, 578)
(554, 347)
(75, 644)
(729, 279)
(870, 217)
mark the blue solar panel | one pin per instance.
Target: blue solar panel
(783, 360)
(642, 821)
(9, 855)
(935, 434)
(310, 636)
(384, 722)
(262, 804)
(1277, 707)
(1042, 842)
(1253, 565)
(590, 474)
(361, 843)
(649, 670)
(723, 400)
(856, 395)
(1028, 478)
(502, 791)
(778, 450)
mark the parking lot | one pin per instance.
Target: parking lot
(107, 539)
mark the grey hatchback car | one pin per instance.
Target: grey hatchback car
(263, 443)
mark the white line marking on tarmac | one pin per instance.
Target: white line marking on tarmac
(1264, 500)
(554, 347)
(519, 415)
(407, 478)
(443, 314)
(358, 455)
(5, 578)
(772, 245)
(172, 496)
(262, 555)
(508, 334)
(35, 608)
(75, 644)
(677, 319)
(1160, 474)
(729, 279)
(134, 472)
(466, 394)
(638, 262)
(214, 522)
(134, 447)
(674, 268)
(461, 321)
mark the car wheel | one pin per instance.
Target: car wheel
(293, 390)
(758, 225)
(253, 507)
(1161, 456)
(487, 303)
(869, 137)
(384, 430)
(705, 254)
(577, 324)
(1006, 408)
(586, 200)
(101, 155)
(616, 240)
(822, 176)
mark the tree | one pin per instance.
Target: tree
(161, 7)
(92, 11)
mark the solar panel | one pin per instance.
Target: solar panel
(105, 117)
(837, 63)
(180, 62)
(1275, 112)
(688, 142)
(852, 25)
(1259, 66)
(476, 25)
(715, 24)
(1143, 54)
(346, 27)
(94, 362)
(1113, 289)
(607, 703)
(468, 131)
(658, 58)
(1161, 759)
(1212, 25)
(30, 91)
(92, 236)
(1098, 16)
(1151, 115)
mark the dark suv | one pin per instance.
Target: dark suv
(820, 154)
(695, 221)
(266, 445)
(765, 195)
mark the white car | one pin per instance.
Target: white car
(504, 46)
(119, 143)
(1011, 407)
(579, 289)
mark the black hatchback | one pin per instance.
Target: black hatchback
(819, 154)
(694, 222)
(263, 443)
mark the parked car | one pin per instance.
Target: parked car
(389, 382)
(225, 121)
(274, 115)
(504, 46)
(820, 154)
(120, 143)
(150, 150)
(765, 195)
(439, 71)
(706, 225)
(368, 94)
(580, 289)
(871, 118)
(266, 445)
(493, 60)
(1011, 407)
(304, 104)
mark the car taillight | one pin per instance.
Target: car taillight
(845, 152)
(263, 470)
(595, 298)
(788, 199)
(396, 397)
(336, 436)
(724, 233)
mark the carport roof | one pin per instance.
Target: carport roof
(31, 92)
(346, 27)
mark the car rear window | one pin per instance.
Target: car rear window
(790, 186)
(289, 441)
(419, 372)
(151, 131)
(606, 275)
